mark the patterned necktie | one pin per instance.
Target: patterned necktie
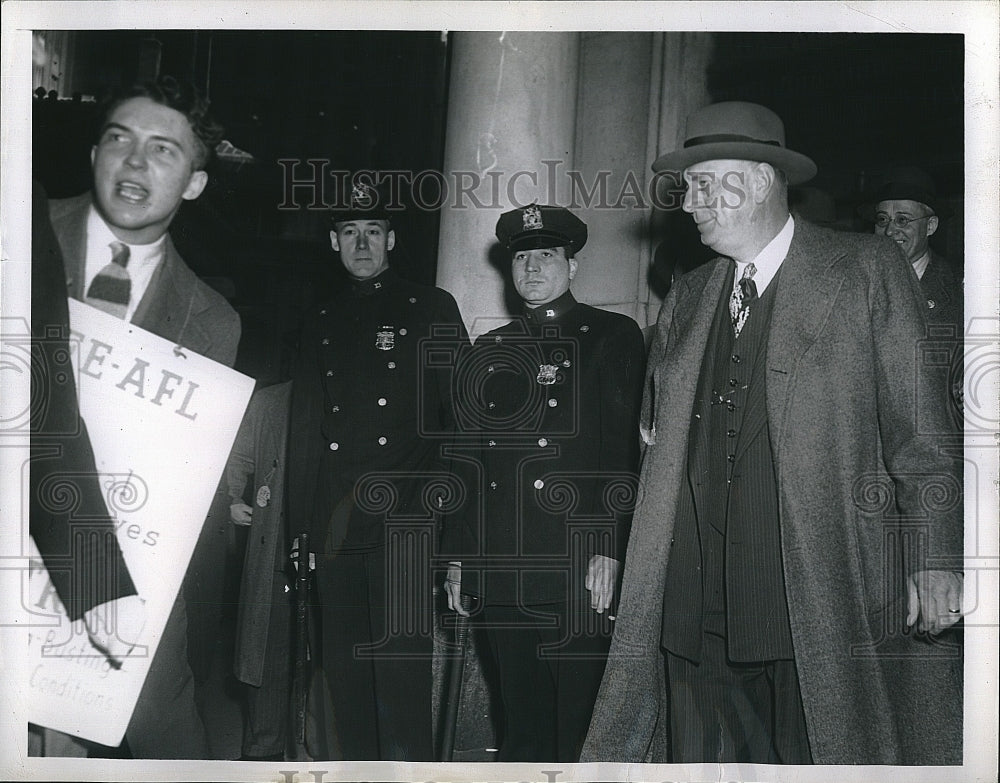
(743, 295)
(111, 287)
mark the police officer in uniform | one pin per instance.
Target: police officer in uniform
(556, 394)
(364, 467)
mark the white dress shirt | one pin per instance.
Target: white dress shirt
(920, 265)
(768, 260)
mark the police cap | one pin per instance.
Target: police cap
(360, 200)
(536, 227)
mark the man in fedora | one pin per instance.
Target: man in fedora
(908, 211)
(556, 393)
(770, 612)
(368, 418)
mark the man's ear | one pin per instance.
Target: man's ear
(764, 177)
(390, 240)
(932, 224)
(197, 183)
(334, 242)
(572, 268)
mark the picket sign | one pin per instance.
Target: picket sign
(162, 421)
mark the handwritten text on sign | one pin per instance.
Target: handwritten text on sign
(161, 423)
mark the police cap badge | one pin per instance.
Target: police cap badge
(359, 199)
(535, 227)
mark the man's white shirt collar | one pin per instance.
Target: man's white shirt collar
(920, 265)
(142, 263)
(769, 260)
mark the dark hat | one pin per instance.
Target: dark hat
(536, 227)
(360, 200)
(905, 183)
(740, 131)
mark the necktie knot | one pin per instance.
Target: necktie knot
(747, 286)
(119, 254)
(111, 288)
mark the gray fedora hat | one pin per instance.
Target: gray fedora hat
(737, 130)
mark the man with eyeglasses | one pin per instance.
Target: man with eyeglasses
(908, 211)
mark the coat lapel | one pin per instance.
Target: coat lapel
(675, 364)
(173, 300)
(69, 220)
(171, 303)
(676, 381)
(807, 288)
(934, 284)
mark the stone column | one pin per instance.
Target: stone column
(612, 161)
(636, 91)
(511, 107)
(680, 87)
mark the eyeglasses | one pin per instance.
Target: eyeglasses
(899, 221)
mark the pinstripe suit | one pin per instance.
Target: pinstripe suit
(734, 691)
(730, 509)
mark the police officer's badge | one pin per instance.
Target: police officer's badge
(532, 218)
(263, 496)
(385, 338)
(546, 374)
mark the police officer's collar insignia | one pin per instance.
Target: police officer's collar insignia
(532, 218)
(372, 285)
(263, 496)
(550, 311)
(546, 374)
(385, 338)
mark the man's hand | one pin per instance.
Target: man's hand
(114, 627)
(453, 588)
(935, 598)
(602, 573)
(240, 513)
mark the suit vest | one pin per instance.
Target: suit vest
(724, 573)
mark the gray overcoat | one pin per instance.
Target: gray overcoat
(260, 450)
(851, 402)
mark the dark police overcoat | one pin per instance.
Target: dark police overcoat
(554, 399)
(370, 411)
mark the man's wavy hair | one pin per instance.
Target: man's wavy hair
(179, 96)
